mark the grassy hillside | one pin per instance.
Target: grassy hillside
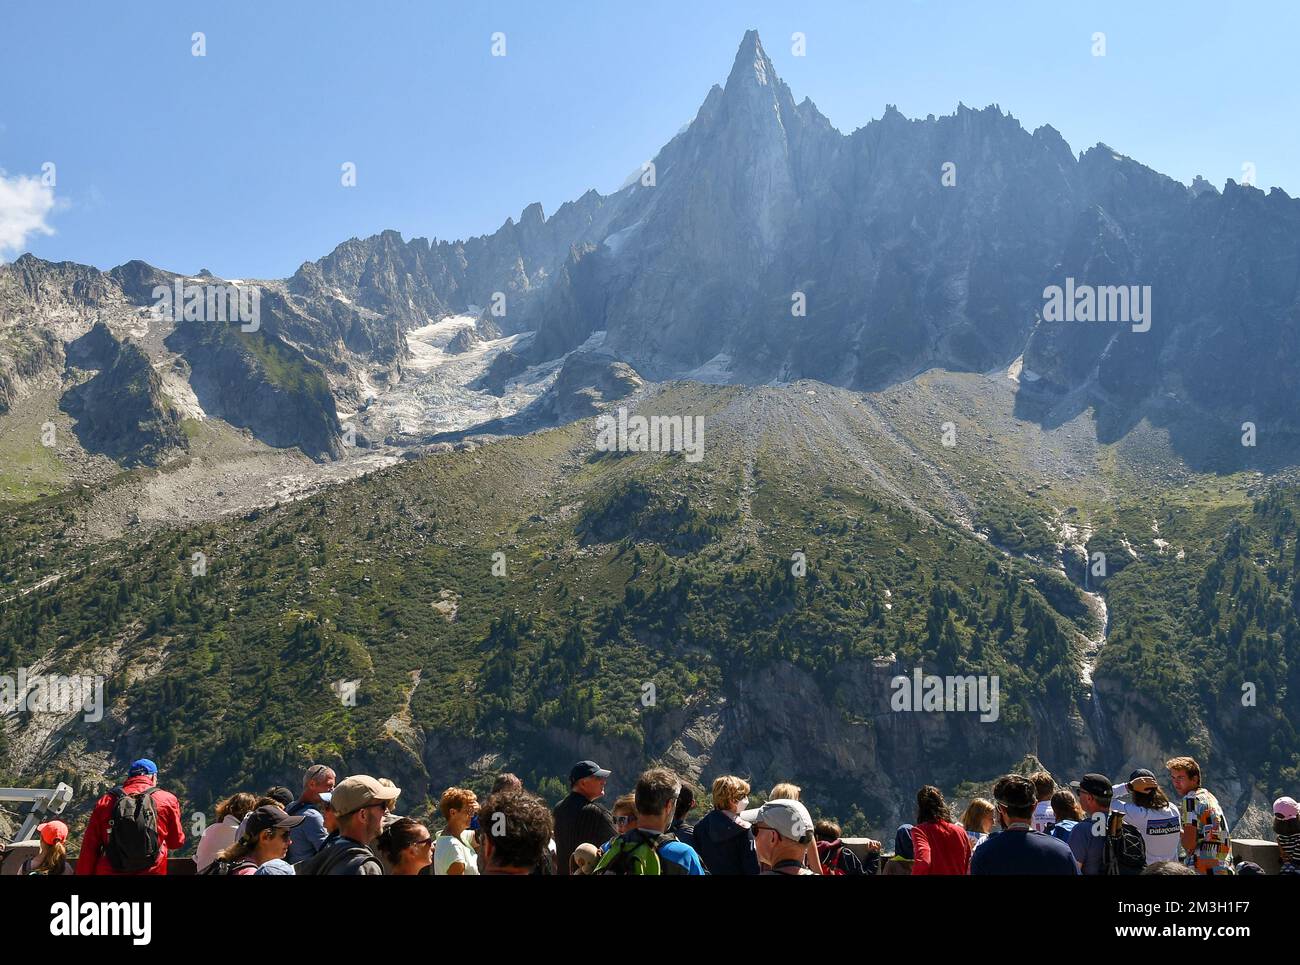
(628, 575)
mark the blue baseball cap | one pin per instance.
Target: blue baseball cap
(903, 842)
(142, 766)
(586, 769)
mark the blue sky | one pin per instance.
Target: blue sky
(232, 161)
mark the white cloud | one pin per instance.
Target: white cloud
(25, 204)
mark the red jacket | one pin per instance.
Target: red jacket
(171, 835)
(941, 848)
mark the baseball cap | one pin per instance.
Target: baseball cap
(1140, 772)
(903, 846)
(142, 766)
(1285, 807)
(790, 819)
(1098, 785)
(327, 797)
(586, 769)
(269, 816)
(52, 831)
(358, 791)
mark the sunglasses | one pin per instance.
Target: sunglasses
(422, 843)
(622, 819)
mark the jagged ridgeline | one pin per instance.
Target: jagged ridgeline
(623, 575)
(539, 599)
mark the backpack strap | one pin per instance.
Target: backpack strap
(341, 853)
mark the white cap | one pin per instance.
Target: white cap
(790, 819)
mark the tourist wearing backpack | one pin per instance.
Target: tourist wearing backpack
(360, 803)
(1150, 812)
(1102, 843)
(265, 840)
(649, 849)
(132, 828)
(836, 859)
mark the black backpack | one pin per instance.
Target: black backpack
(220, 867)
(1126, 851)
(132, 843)
(841, 861)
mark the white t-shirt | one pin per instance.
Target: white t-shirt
(449, 851)
(1043, 815)
(1160, 827)
(216, 839)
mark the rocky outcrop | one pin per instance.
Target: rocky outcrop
(588, 382)
(122, 410)
(462, 342)
(26, 355)
(259, 382)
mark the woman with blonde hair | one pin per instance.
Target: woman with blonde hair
(722, 840)
(454, 853)
(52, 858)
(786, 791)
(978, 820)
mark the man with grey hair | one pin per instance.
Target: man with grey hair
(783, 829)
(309, 836)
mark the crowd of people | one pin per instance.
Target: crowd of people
(350, 827)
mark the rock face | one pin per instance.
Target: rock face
(121, 411)
(413, 281)
(587, 383)
(771, 246)
(463, 341)
(764, 245)
(257, 381)
(27, 355)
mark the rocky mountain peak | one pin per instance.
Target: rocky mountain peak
(752, 65)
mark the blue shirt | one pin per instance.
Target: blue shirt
(1088, 843)
(1023, 852)
(309, 835)
(275, 866)
(1062, 829)
(683, 854)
